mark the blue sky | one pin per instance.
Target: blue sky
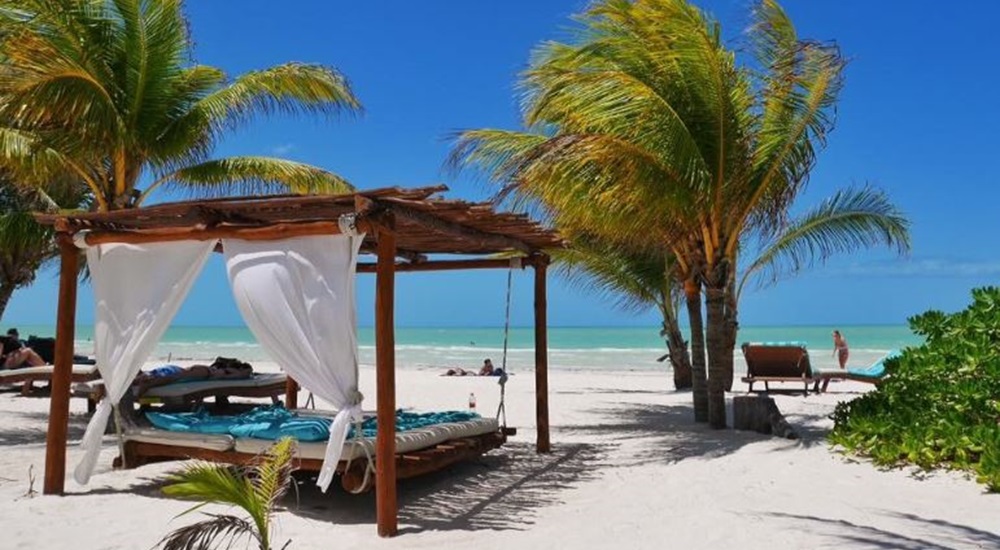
(917, 117)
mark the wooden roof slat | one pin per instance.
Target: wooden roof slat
(425, 225)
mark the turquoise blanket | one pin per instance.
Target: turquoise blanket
(275, 422)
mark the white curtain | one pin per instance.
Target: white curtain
(297, 298)
(137, 291)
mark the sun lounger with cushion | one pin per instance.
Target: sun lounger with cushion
(271, 385)
(872, 374)
(777, 362)
(29, 375)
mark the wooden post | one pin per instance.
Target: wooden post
(385, 382)
(55, 440)
(541, 358)
(292, 394)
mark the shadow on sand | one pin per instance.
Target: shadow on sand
(501, 491)
(668, 434)
(939, 534)
(11, 435)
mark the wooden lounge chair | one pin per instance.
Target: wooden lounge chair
(270, 385)
(777, 362)
(872, 374)
(29, 375)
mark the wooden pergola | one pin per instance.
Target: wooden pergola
(403, 227)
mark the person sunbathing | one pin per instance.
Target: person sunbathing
(14, 355)
(170, 374)
(486, 370)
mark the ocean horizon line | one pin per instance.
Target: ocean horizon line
(518, 327)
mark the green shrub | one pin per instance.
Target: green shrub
(939, 407)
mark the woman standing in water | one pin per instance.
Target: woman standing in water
(840, 350)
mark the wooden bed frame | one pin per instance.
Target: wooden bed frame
(352, 479)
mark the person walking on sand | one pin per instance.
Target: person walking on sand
(840, 350)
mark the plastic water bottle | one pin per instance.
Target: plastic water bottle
(472, 401)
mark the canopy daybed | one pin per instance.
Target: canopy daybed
(301, 251)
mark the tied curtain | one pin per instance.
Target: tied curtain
(297, 298)
(137, 291)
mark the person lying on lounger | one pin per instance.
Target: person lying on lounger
(221, 369)
(14, 355)
(487, 370)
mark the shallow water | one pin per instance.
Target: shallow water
(580, 348)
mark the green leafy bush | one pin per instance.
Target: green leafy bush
(939, 407)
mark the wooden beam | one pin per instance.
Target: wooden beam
(441, 265)
(385, 381)
(488, 241)
(417, 463)
(291, 394)
(265, 233)
(55, 439)
(541, 360)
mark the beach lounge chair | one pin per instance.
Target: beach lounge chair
(777, 362)
(27, 376)
(271, 385)
(872, 374)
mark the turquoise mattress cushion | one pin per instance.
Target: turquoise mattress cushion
(275, 422)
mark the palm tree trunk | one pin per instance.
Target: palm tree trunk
(692, 295)
(6, 291)
(679, 359)
(730, 329)
(715, 337)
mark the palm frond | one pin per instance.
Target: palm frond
(19, 233)
(634, 280)
(212, 483)
(800, 87)
(273, 472)
(32, 161)
(849, 221)
(219, 531)
(291, 88)
(253, 175)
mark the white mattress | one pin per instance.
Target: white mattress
(45, 370)
(213, 442)
(412, 440)
(408, 441)
(181, 389)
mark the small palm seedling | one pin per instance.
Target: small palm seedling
(256, 489)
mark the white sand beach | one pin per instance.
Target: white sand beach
(628, 470)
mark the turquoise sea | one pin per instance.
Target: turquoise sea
(569, 348)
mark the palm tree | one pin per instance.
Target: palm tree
(104, 92)
(256, 490)
(646, 125)
(636, 281)
(24, 245)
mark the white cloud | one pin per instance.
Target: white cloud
(283, 149)
(921, 267)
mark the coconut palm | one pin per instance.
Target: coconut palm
(256, 490)
(104, 91)
(645, 125)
